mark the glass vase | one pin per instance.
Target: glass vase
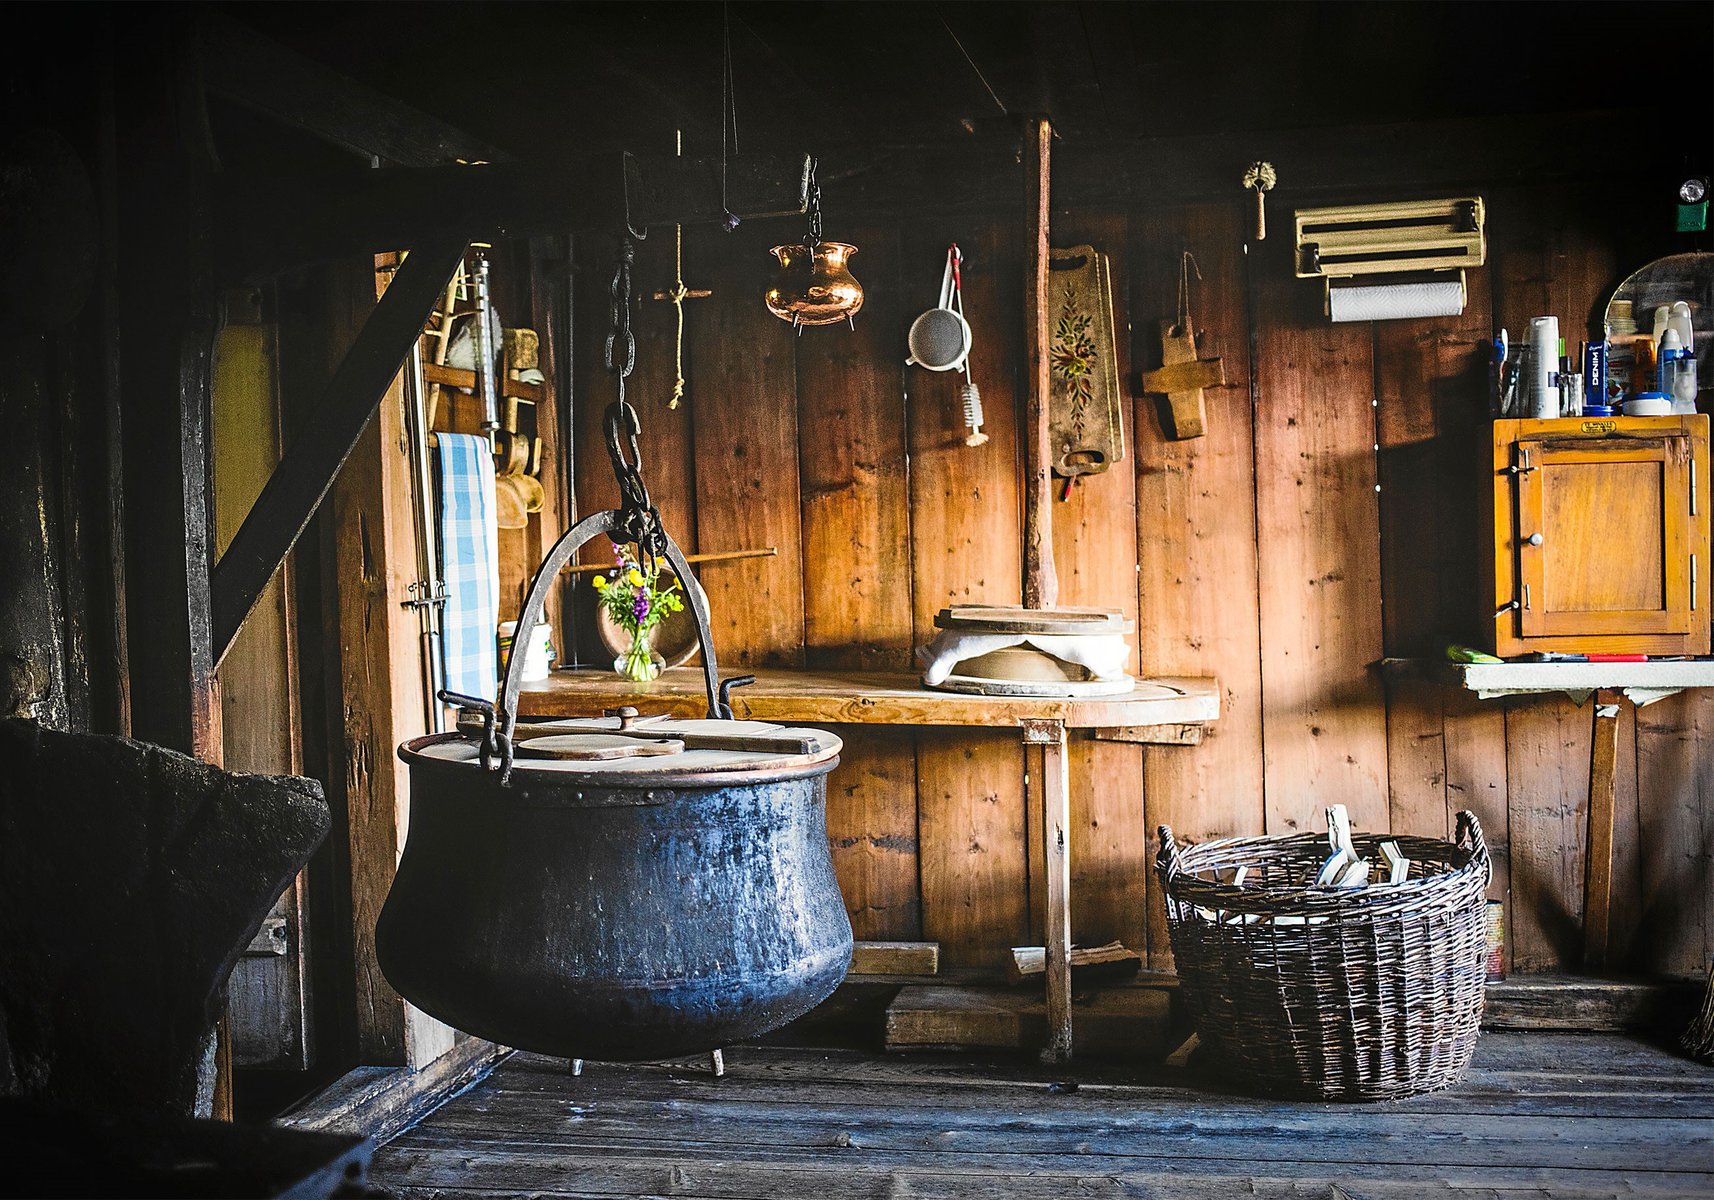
(640, 662)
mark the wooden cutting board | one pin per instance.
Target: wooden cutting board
(1068, 621)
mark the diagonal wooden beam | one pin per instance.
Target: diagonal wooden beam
(307, 471)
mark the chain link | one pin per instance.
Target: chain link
(638, 517)
(621, 351)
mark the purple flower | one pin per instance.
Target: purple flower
(640, 606)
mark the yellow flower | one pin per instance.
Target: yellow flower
(600, 582)
(635, 576)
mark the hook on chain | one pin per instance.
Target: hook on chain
(813, 188)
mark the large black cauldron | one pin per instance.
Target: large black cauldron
(615, 909)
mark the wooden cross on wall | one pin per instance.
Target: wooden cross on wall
(1181, 378)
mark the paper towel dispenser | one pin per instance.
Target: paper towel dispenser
(1391, 261)
(1376, 239)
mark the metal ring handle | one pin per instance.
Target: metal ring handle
(610, 523)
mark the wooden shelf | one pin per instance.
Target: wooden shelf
(455, 377)
(1529, 678)
(854, 698)
(1533, 678)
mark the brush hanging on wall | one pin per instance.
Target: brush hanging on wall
(814, 284)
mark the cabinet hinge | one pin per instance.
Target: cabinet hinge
(1693, 485)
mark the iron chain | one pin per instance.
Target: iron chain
(639, 519)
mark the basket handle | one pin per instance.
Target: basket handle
(1470, 837)
(1166, 862)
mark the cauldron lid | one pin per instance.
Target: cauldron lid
(668, 746)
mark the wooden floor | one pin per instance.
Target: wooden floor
(1539, 1115)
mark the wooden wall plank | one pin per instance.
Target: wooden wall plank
(1431, 383)
(1475, 742)
(971, 825)
(966, 547)
(261, 725)
(1416, 756)
(1324, 711)
(744, 422)
(853, 472)
(1547, 783)
(1675, 786)
(1095, 552)
(380, 689)
(872, 828)
(857, 579)
(1196, 539)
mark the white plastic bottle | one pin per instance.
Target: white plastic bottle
(1544, 367)
(1677, 373)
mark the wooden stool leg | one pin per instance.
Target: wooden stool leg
(1598, 870)
(1056, 833)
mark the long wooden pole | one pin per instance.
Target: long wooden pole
(1041, 583)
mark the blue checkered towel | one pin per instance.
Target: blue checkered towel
(469, 563)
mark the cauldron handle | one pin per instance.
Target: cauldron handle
(610, 523)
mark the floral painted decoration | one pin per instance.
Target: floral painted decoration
(1073, 356)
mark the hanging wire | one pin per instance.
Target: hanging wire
(1186, 264)
(992, 94)
(728, 111)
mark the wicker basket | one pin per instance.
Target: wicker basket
(1301, 990)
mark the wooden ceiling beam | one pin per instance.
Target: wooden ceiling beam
(982, 176)
(241, 65)
(271, 225)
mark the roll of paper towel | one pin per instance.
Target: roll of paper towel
(1395, 301)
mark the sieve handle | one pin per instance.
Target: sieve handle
(946, 282)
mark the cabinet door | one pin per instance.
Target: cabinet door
(1604, 536)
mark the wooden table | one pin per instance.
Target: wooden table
(1158, 711)
(1611, 684)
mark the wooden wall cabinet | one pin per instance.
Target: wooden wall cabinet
(1600, 536)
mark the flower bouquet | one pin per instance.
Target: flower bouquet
(635, 598)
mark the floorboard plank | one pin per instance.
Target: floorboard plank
(1539, 1114)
